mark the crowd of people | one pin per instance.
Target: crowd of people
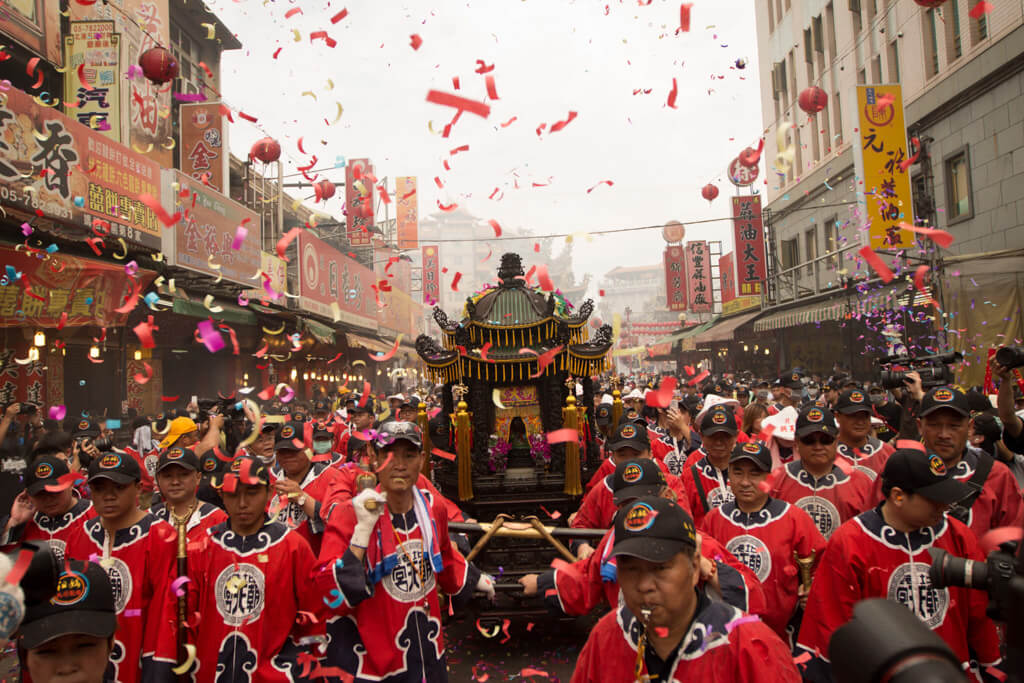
(235, 540)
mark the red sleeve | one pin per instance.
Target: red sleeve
(454, 513)
(579, 584)
(456, 572)
(603, 471)
(1007, 494)
(659, 449)
(761, 655)
(676, 484)
(589, 514)
(339, 524)
(834, 592)
(160, 638)
(693, 500)
(808, 536)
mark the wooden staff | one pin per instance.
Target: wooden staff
(555, 543)
(182, 525)
(499, 521)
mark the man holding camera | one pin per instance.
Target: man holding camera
(1013, 425)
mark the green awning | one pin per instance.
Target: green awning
(322, 333)
(230, 314)
(698, 329)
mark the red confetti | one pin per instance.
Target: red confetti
(322, 35)
(443, 454)
(684, 17)
(339, 16)
(553, 515)
(276, 53)
(152, 202)
(509, 122)
(543, 279)
(481, 109)
(286, 239)
(492, 92)
(672, 94)
(447, 207)
(388, 355)
(876, 263)
(455, 282)
(482, 67)
(483, 351)
(292, 12)
(169, 399)
(559, 125)
(415, 41)
(563, 435)
(462, 148)
(940, 237)
(81, 77)
(907, 163)
(609, 183)
(663, 396)
(980, 10)
(142, 379)
(919, 283)
(696, 380)
(497, 228)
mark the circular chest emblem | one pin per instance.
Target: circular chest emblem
(413, 577)
(44, 470)
(292, 514)
(640, 517)
(175, 454)
(110, 461)
(83, 425)
(751, 551)
(718, 496)
(795, 377)
(11, 612)
(120, 581)
(287, 432)
(209, 465)
(822, 511)
(628, 432)
(909, 584)
(632, 473)
(815, 415)
(241, 593)
(751, 447)
(72, 588)
(936, 465)
(856, 397)
(943, 395)
(718, 418)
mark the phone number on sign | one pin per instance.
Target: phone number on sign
(26, 199)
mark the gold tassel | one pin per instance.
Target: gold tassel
(421, 420)
(573, 482)
(462, 452)
(616, 407)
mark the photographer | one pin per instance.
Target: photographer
(1013, 426)
(14, 450)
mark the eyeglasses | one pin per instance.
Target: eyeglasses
(821, 439)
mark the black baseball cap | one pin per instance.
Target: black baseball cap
(209, 463)
(853, 401)
(285, 436)
(792, 379)
(753, 451)
(718, 419)
(182, 457)
(636, 478)
(396, 430)
(603, 415)
(82, 602)
(814, 419)
(629, 435)
(117, 467)
(321, 432)
(321, 407)
(916, 471)
(45, 471)
(654, 529)
(947, 397)
(361, 407)
(249, 470)
(86, 427)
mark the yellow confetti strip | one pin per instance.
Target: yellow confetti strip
(211, 31)
(338, 117)
(273, 333)
(189, 660)
(210, 306)
(310, 93)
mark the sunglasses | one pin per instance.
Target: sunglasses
(822, 439)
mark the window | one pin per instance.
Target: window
(837, 114)
(855, 11)
(862, 76)
(819, 37)
(894, 62)
(830, 20)
(832, 242)
(954, 46)
(808, 48)
(790, 253)
(810, 249)
(771, 16)
(191, 77)
(876, 69)
(931, 43)
(778, 13)
(959, 203)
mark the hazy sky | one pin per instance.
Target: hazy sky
(550, 57)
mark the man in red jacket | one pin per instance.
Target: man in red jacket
(577, 588)
(815, 483)
(177, 477)
(669, 629)
(706, 479)
(853, 412)
(765, 533)
(883, 553)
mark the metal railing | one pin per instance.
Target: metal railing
(807, 279)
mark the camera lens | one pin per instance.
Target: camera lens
(952, 571)
(1010, 357)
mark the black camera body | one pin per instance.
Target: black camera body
(935, 370)
(1010, 357)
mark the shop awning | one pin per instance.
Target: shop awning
(830, 309)
(723, 330)
(892, 297)
(375, 345)
(322, 333)
(231, 313)
(694, 331)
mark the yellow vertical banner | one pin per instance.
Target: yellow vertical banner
(883, 148)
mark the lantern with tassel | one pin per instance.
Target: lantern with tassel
(709, 192)
(158, 65)
(324, 190)
(813, 99)
(266, 150)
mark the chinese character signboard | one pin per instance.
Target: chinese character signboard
(742, 176)
(882, 150)
(95, 47)
(727, 274)
(273, 274)
(431, 276)
(675, 278)
(88, 291)
(326, 277)
(74, 174)
(748, 235)
(698, 276)
(203, 144)
(202, 239)
(359, 201)
(408, 212)
(35, 24)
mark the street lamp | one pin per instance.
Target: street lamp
(294, 374)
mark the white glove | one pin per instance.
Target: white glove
(366, 519)
(486, 585)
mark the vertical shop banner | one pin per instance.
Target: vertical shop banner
(359, 201)
(96, 48)
(35, 24)
(431, 275)
(675, 278)
(203, 144)
(74, 174)
(203, 239)
(882, 150)
(22, 381)
(145, 107)
(408, 212)
(335, 286)
(698, 274)
(748, 234)
(727, 275)
(273, 275)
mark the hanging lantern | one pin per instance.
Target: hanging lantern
(813, 99)
(709, 192)
(324, 190)
(673, 231)
(158, 65)
(930, 4)
(266, 150)
(751, 157)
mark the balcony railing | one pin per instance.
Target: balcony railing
(807, 279)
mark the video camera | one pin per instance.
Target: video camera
(934, 370)
(230, 408)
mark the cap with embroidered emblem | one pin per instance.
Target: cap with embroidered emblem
(916, 471)
(946, 397)
(653, 529)
(636, 478)
(118, 467)
(629, 435)
(814, 419)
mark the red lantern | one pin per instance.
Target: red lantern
(709, 192)
(750, 157)
(813, 99)
(324, 190)
(930, 4)
(266, 150)
(158, 65)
